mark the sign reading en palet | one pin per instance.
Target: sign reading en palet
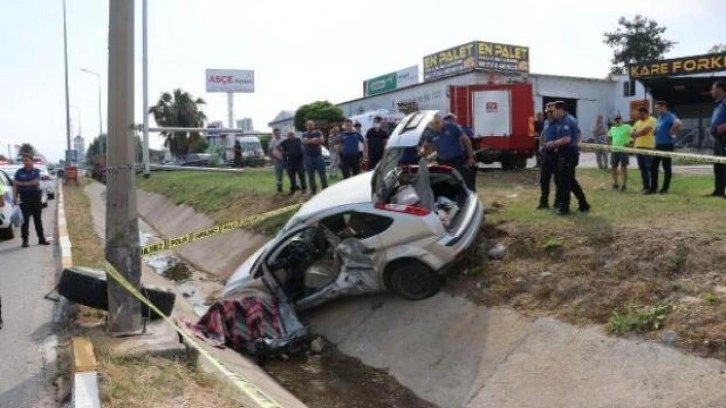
(230, 80)
(391, 82)
(696, 64)
(476, 55)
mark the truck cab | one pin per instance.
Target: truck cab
(501, 117)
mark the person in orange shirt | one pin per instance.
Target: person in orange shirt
(644, 135)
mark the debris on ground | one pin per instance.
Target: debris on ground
(317, 346)
(498, 252)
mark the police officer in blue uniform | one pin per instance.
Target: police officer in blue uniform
(566, 134)
(453, 146)
(548, 163)
(718, 130)
(26, 184)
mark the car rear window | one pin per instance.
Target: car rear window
(365, 225)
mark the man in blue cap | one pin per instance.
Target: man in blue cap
(453, 148)
(718, 130)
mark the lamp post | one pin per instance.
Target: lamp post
(65, 58)
(100, 111)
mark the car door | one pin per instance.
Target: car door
(359, 257)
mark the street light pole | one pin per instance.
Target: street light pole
(68, 109)
(122, 224)
(145, 51)
(100, 111)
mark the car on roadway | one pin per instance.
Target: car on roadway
(47, 181)
(12, 168)
(6, 206)
(400, 227)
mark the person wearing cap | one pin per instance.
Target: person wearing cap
(350, 154)
(718, 131)
(26, 185)
(619, 136)
(566, 135)
(548, 168)
(376, 139)
(666, 129)
(453, 147)
(643, 133)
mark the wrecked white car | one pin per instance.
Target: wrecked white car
(397, 228)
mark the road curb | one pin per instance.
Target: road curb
(85, 378)
(63, 239)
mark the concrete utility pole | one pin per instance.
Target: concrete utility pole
(145, 51)
(122, 226)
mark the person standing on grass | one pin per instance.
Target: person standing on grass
(643, 133)
(453, 147)
(718, 131)
(600, 136)
(548, 169)
(237, 154)
(565, 145)
(350, 154)
(278, 159)
(312, 141)
(539, 132)
(619, 136)
(666, 129)
(26, 184)
(334, 148)
(292, 150)
(376, 139)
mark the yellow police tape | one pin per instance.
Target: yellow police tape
(701, 158)
(249, 389)
(170, 243)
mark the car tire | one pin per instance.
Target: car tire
(88, 287)
(7, 233)
(413, 280)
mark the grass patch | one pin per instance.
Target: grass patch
(86, 245)
(225, 196)
(710, 298)
(639, 319)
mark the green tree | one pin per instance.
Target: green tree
(638, 40)
(96, 149)
(27, 148)
(180, 109)
(324, 113)
(717, 49)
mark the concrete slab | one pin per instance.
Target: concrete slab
(85, 390)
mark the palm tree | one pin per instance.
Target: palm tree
(179, 109)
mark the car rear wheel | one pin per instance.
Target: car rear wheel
(7, 233)
(413, 280)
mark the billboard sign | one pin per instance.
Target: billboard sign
(697, 64)
(391, 82)
(230, 80)
(476, 55)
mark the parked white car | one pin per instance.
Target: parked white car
(6, 206)
(398, 228)
(10, 171)
(47, 182)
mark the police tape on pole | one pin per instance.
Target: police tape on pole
(171, 243)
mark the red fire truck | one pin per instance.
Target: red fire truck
(502, 119)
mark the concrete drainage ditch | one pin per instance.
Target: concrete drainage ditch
(321, 376)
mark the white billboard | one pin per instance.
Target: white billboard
(231, 80)
(407, 77)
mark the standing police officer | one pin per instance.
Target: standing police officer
(548, 163)
(26, 184)
(718, 131)
(566, 138)
(453, 147)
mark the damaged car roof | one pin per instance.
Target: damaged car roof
(354, 190)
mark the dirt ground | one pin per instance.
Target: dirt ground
(654, 268)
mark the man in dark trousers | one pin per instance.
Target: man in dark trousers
(26, 184)
(350, 154)
(548, 168)
(453, 148)
(312, 141)
(376, 139)
(718, 131)
(666, 129)
(566, 139)
(292, 150)
(237, 154)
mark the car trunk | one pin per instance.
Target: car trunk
(436, 188)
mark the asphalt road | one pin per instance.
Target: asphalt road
(27, 363)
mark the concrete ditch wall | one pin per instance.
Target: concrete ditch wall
(219, 255)
(457, 354)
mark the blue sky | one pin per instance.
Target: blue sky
(301, 51)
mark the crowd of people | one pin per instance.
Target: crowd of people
(560, 136)
(302, 157)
